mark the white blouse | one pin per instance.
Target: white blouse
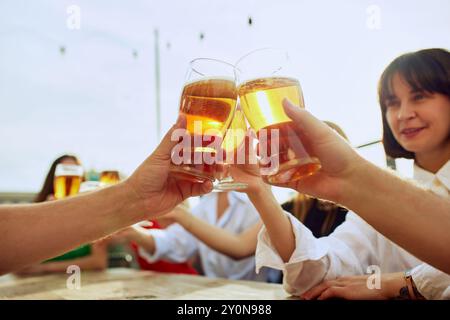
(177, 245)
(351, 249)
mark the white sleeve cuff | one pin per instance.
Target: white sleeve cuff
(430, 282)
(307, 265)
(307, 247)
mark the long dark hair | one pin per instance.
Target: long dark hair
(428, 70)
(48, 188)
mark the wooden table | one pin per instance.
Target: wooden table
(136, 284)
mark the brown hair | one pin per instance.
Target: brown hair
(427, 70)
(47, 188)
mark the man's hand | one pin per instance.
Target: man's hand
(153, 184)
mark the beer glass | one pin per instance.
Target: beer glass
(67, 180)
(208, 101)
(109, 177)
(264, 80)
(234, 138)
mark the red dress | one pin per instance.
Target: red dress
(161, 265)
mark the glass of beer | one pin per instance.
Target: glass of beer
(234, 138)
(67, 180)
(208, 101)
(109, 177)
(264, 79)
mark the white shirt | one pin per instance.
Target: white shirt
(177, 245)
(431, 282)
(351, 249)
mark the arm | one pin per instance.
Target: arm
(59, 226)
(405, 207)
(286, 244)
(174, 244)
(236, 246)
(139, 236)
(53, 223)
(97, 260)
(348, 179)
(276, 222)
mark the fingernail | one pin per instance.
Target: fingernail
(287, 103)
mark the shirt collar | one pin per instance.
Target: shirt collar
(428, 178)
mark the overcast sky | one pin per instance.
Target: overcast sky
(91, 91)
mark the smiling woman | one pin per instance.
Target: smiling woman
(414, 97)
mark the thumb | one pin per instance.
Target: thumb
(171, 139)
(305, 121)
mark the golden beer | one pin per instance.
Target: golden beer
(109, 177)
(261, 99)
(234, 139)
(67, 180)
(208, 106)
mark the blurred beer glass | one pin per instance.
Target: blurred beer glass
(264, 79)
(67, 180)
(109, 177)
(234, 138)
(208, 102)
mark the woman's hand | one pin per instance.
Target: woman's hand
(248, 172)
(358, 288)
(340, 163)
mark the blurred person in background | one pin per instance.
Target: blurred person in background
(87, 257)
(228, 213)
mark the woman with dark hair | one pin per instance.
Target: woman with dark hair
(47, 190)
(87, 257)
(414, 94)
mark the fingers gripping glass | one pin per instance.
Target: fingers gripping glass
(264, 80)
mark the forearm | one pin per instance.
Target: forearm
(86, 263)
(276, 222)
(409, 214)
(217, 238)
(41, 231)
(145, 241)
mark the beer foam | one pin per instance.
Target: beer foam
(204, 79)
(270, 81)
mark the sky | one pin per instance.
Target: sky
(89, 88)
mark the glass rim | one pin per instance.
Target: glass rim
(285, 53)
(192, 62)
